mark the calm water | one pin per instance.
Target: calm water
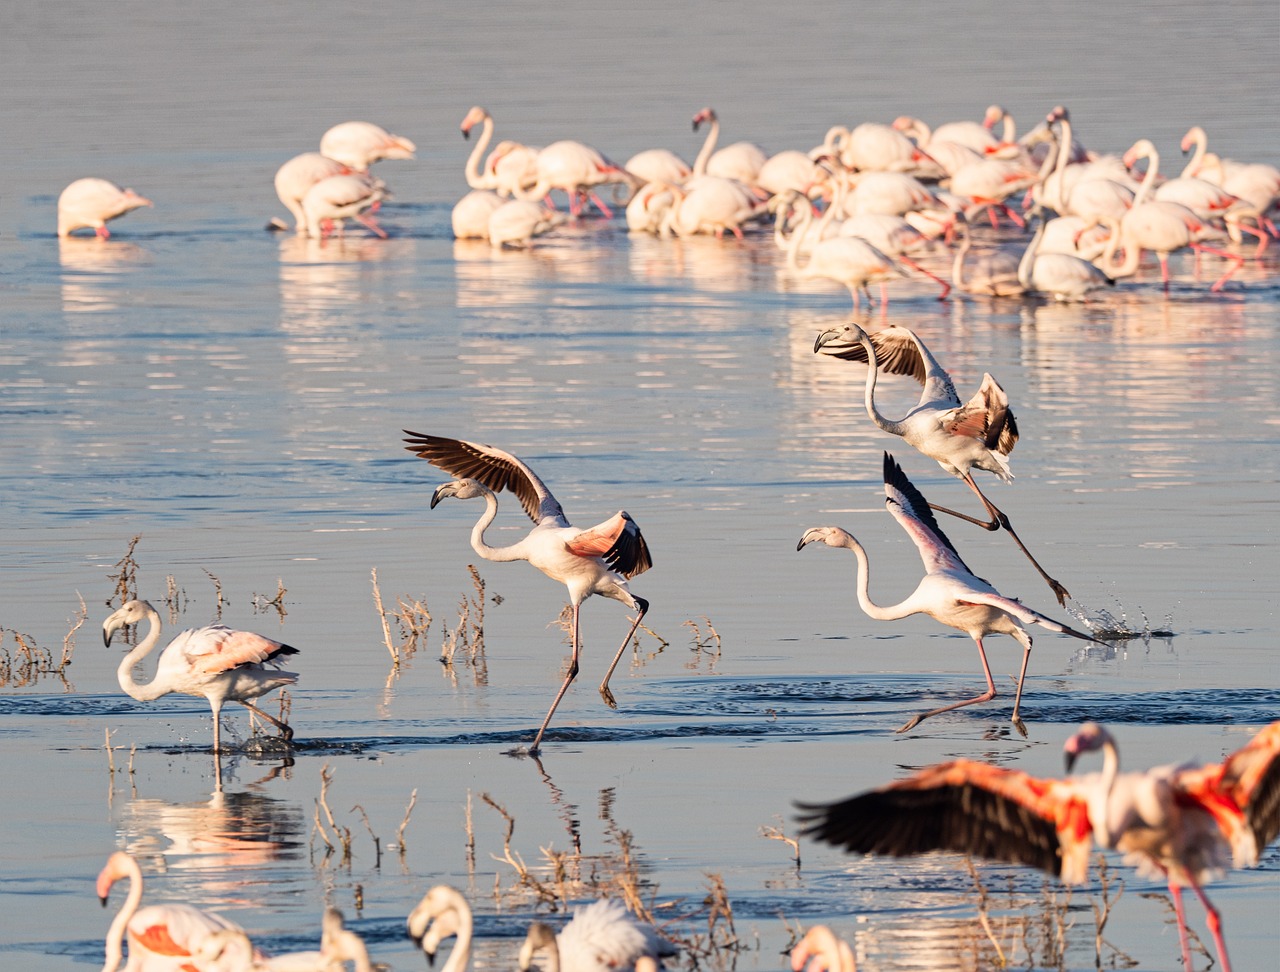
(236, 399)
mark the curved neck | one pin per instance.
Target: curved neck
(870, 608)
(1010, 133)
(1110, 771)
(1060, 165)
(115, 934)
(1132, 254)
(1192, 168)
(708, 146)
(957, 264)
(124, 674)
(798, 234)
(460, 957)
(1028, 261)
(475, 178)
(497, 554)
(1148, 180)
(869, 399)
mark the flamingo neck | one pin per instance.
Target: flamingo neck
(1107, 782)
(475, 178)
(1192, 168)
(869, 399)
(478, 544)
(798, 234)
(957, 264)
(115, 934)
(1028, 262)
(460, 956)
(708, 146)
(143, 692)
(872, 610)
(1148, 180)
(1132, 254)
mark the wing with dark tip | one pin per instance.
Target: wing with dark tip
(496, 469)
(1251, 775)
(618, 542)
(898, 352)
(963, 806)
(986, 417)
(911, 510)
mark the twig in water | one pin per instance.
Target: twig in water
(413, 799)
(126, 577)
(377, 843)
(217, 589)
(777, 833)
(382, 616)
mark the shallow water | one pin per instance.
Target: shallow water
(236, 399)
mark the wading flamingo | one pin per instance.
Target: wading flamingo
(298, 175)
(573, 168)
(1064, 277)
(342, 197)
(741, 161)
(359, 144)
(442, 913)
(1185, 824)
(950, 593)
(231, 951)
(601, 937)
(599, 560)
(992, 274)
(214, 662)
(510, 164)
(91, 202)
(162, 938)
(960, 437)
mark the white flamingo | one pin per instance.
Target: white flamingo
(959, 436)
(517, 221)
(949, 593)
(359, 144)
(600, 937)
(1062, 276)
(443, 913)
(658, 165)
(333, 200)
(470, 216)
(847, 260)
(599, 560)
(91, 202)
(741, 161)
(298, 175)
(573, 168)
(509, 166)
(993, 274)
(230, 950)
(213, 662)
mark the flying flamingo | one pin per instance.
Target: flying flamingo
(601, 937)
(342, 197)
(360, 144)
(1177, 822)
(230, 950)
(821, 951)
(443, 913)
(299, 174)
(950, 593)
(960, 437)
(598, 560)
(162, 938)
(214, 662)
(91, 202)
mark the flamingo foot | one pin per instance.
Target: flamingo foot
(102, 232)
(368, 221)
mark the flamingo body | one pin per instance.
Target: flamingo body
(359, 144)
(299, 174)
(339, 198)
(600, 937)
(91, 202)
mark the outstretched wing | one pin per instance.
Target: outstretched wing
(618, 542)
(1251, 775)
(898, 352)
(912, 511)
(496, 469)
(967, 807)
(986, 417)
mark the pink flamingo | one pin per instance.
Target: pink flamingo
(298, 175)
(359, 144)
(91, 202)
(574, 169)
(342, 197)
(741, 161)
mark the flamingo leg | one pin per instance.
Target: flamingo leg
(1017, 698)
(997, 521)
(371, 223)
(102, 232)
(986, 696)
(1176, 893)
(1214, 920)
(1236, 262)
(642, 606)
(604, 210)
(568, 679)
(217, 726)
(946, 287)
(284, 728)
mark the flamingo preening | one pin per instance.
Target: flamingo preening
(230, 950)
(599, 560)
(1185, 824)
(214, 662)
(950, 592)
(959, 436)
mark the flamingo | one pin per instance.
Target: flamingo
(993, 274)
(1092, 189)
(1063, 276)
(91, 202)
(214, 662)
(821, 951)
(509, 166)
(950, 592)
(658, 165)
(601, 937)
(1256, 184)
(711, 205)
(790, 170)
(359, 144)
(1177, 822)
(162, 938)
(741, 161)
(874, 147)
(960, 437)
(299, 174)
(599, 560)
(443, 913)
(648, 208)
(341, 197)
(230, 950)
(573, 168)
(470, 216)
(987, 183)
(517, 221)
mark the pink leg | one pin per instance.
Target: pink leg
(367, 220)
(573, 673)
(604, 210)
(1236, 263)
(1017, 220)
(1176, 893)
(1164, 270)
(986, 696)
(1214, 920)
(102, 232)
(946, 287)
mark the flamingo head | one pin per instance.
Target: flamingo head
(1194, 134)
(118, 865)
(1058, 114)
(225, 948)
(845, 341)
(1089, 738)
(474, 117)
(442, 912)
(832, 536)
(132, 200)
(540, 936)
(705, 115)
(993, 116)
(461, 488)
(131, 613)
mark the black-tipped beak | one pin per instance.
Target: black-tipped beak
(438, 495)
(1069, 759)
(103, 899)
(466, 133)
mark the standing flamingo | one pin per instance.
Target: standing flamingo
(950, 592)
(443, 913)
(574, 169)
(599, 560)
(510, 165)
(162, 938)
(342, 197)
(359, 144)
(214, 662)
(1173, 821)
(298, 175)
(741, 161)
(993, 274)
(91, 202)
(960, 437)
(1062, 276)
(601, 937)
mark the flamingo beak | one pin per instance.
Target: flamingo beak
(441, 492)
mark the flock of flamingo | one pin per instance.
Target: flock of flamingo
(885, 192)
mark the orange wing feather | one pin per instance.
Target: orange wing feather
(156, 938)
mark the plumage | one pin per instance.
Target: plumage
(600, 937)
(359, 144)
(91, 202)
(442, 913)
(598, 560)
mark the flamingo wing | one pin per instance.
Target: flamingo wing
(216, 648)
(495, 468)
(1251, 777)
(967, 807)
(986, 416)
(912, 511)
(618, 541)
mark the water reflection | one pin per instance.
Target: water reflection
(91, 271)
(214, 849)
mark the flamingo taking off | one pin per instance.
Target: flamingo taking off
(1184, 823)
(214, 662)
(950, 592)
(91, 202)
(161, 937)
(601, 937)
(960, 437)
(599, 560)
(359, 144)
